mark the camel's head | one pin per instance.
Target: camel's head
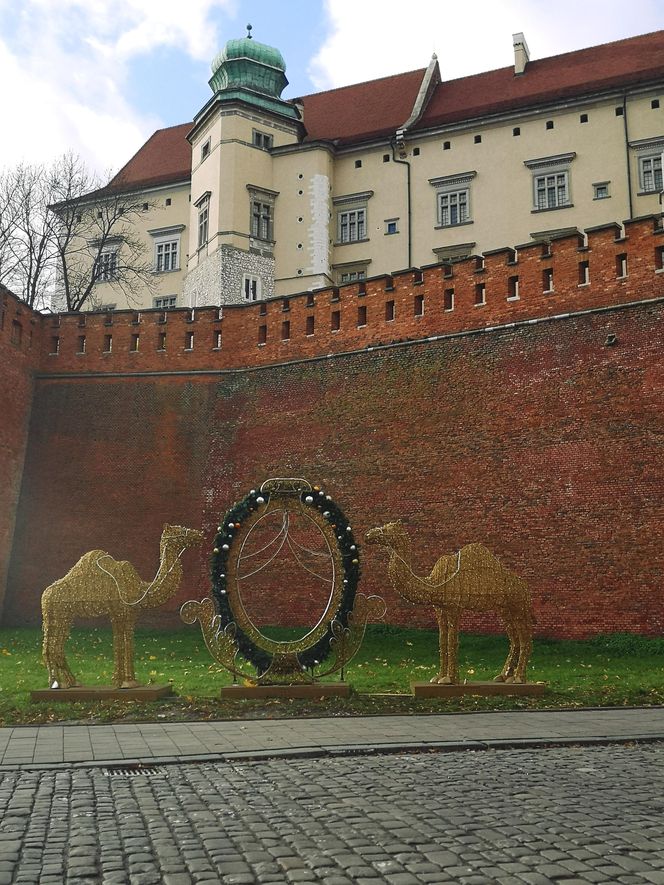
(181, 536)
(386, 535)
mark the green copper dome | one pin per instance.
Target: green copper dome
(248, 64)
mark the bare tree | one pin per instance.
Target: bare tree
(61, 234)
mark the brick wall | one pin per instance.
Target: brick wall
(529, 418)
(19, 352)
(542, 440)
(535, 280)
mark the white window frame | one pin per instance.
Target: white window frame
(453, 199)
(107, 265)
(251, 287)
(352, 217)
(551, 182)
(394, 222)
(167, 254)
(165, 302)
(650, 173)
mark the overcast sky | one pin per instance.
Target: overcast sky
(98, 77)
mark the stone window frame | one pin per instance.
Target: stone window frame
(106, 264)
(557, 169)
(167, 237)
(351, 271)
(453, 191)
(650, 162)
(203, 206)
(352, 218)
(165, 302)
(262, 140)
(265, 199)
(249, 282)
(601, 190)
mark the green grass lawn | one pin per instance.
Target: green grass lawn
(605, 671)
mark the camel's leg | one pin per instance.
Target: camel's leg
(507, 672)
(56, 633)
(453, 648)
(117, 652)
(525, 648)
(130, 676)
(442, 645)
(123, 642)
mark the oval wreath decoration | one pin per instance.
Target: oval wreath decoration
(319, 507)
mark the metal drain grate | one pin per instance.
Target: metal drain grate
(134, 770)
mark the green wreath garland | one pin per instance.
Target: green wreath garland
(350, 554)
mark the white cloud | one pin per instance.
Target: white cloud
(64, 66)
(370, 39)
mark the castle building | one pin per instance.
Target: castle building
(264, 196)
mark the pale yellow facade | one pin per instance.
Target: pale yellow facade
(266, 213)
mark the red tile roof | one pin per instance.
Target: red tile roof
(164, 159)
(362, 111)
(377, 108)
(612, 65)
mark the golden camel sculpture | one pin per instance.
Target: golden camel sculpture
(472, 579)
(100, 586)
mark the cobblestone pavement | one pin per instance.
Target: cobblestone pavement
(565, 815)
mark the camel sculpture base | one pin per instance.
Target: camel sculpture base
(103, 693)
(308, 691)
(456, 690)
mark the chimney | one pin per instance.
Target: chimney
(521, 54)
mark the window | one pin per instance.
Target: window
(447, 145)
(352, 276)
(261, 220)
(216, 339)
(107, 266)
(549, 124)
(310, 326)
(551, 181)
(551, 191)
(261, 140)
(418, 306)
(513, 288)
(352, 225)
(362, 315)
(189, 341)
(416, 152)
(389, 311)
(161, 342)
(134, 343)
(583, 118)
(453, 199)
(205, 150)
(203, 219)
(650, 173)
(547, 279)
(262, 334)
(108, 343)
(251, 288)
(285, 330)
(601, 190)
(167, 254)
(392, 226)
(81, 344)
(386, 158)
(654, 104)
(358, 164)
(516, 131)
(55, 345)
(335, 321)
(480, 294)
(448, 299)
(620, 111)
(168, 201)
(164, 302)
(453, 208)
(478, 139)
(621, 265)
(584, 273)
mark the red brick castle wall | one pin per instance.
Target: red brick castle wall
(531, 423)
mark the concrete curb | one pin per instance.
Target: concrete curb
(342, 751)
